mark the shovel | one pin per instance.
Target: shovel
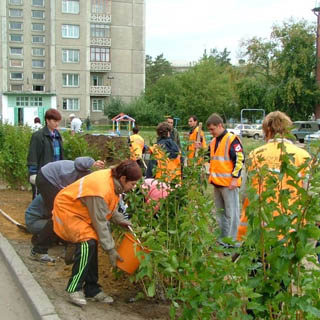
(19, 225)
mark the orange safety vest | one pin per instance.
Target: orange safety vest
(137, 145)
(221, 166)
(193, 138)
(243, 226)
(167, 169)
(71, 219)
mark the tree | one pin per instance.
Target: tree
(156, 68)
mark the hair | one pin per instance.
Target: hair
(135, 130)
(36, 120)
(276, 122)
(194, 118)
(163, 129)
(215, 120)
(127, 168)
(52, 114)
(170, 118)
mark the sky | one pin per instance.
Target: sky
(183, 29)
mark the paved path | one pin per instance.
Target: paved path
(12, 304)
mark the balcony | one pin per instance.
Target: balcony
(100, 66)
(100, 18)
(103, 42)
(100, 90)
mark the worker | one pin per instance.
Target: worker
(82, 214)
(136, 143)
(194, 135)
(174, 134)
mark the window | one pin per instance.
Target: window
(37, 14)
(70, 31)
(37, 87)
(16, 13)
(15, 37)
(99, 6)
(38, 27)
(97, 105)
(16, 63)
(16, 75)
(38, 76)
(15, 2)
(38, 39)
(37, 63)
(70, 104)
(70, 80)
(70, 6)
(16, 87)
(39, 52)
(99, 54)
(38, 3)
(97, 80)
(15, 50)
(70, 55)
(28, 101)
(100, 30)
(14, 25)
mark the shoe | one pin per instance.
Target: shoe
(42, 257)
(101, 297)
(69, 253)
(78, 298)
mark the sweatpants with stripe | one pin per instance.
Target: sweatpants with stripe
(85, 269)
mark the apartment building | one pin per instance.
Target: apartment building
(72, 55)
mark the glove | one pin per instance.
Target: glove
(113, 257)
(32, 179)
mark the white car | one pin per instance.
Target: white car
(312, 137)
(240, 129)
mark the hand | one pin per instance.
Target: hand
(99, 164)
(125, 223)
(113, 257)
(233, 183)
(32, 179)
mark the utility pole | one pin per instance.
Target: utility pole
(316, 11)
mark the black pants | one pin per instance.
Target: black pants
(85, 269)
(47, 190)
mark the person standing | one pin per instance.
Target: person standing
(45, 146)
(75, 124)
(82, 213)
(174, 134)
(193, 135)
(226, 163)
(136, 143)
(36, 124)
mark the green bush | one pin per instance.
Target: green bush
(14, 143)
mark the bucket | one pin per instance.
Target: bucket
(127, 251)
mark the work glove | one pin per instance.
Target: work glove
(113, 257)
(32, 179)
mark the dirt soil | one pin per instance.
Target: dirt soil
(53, 278)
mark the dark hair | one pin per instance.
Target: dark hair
(36, 120)
(127, 168)
(162, 129)
(170, 118)
(194, 118)
(214, 119)
(52, 114)
(135, 129)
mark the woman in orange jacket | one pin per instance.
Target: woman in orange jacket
(82, 213)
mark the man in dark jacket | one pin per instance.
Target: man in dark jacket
(174, 134)
(45, 146)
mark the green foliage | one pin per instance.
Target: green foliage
(14, 147)
(114, 107)
(157, 68)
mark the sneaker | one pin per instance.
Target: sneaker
(69, 253)
(101, 297)
(42, 257)
(78, 298)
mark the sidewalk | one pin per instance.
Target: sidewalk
(21, 297)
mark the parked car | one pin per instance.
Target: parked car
(312, 137)
(304, 128)
(255, 131)
(239, 129)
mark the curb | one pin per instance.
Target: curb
(40, 305)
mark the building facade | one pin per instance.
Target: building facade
(72, 55)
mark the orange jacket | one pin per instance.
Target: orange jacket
(71, 219)
(193, 138)
(167, 169)
(221, 166)
(243, 226)
(137, 145)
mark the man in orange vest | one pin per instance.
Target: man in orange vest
(81, 215)
(226, 163)
(193, 134)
